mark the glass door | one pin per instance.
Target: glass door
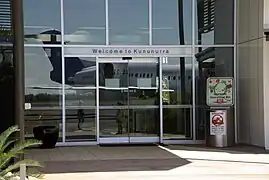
(144, 109)
(113, 101)
(128, 100)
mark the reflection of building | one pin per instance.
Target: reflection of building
(121, 54)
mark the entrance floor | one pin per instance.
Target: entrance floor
(153, 162)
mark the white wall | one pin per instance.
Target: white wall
(250, 72)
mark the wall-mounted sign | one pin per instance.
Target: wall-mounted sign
(218, 121)
(127, 51)
(219, 91)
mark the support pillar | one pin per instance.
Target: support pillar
(18, 59)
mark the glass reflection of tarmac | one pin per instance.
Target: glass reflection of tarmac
(108, 125)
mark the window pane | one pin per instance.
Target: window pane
(41, 17)
(110, 126)
(177, 123)
(172, 22)
(80, 98)
(177, 81)
(43, 77)
(80, 73)
(84, 22)
(128, 22)
(214, 22)
(80, 124)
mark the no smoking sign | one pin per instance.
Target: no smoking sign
(218, 122)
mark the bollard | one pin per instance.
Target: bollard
(22, 171)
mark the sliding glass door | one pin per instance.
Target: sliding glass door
(129, 100)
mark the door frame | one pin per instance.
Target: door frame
(128, 139)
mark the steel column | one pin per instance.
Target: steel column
(18, 58)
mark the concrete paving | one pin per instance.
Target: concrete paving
(153, 162)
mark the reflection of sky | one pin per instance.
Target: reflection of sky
(42, 14)
(37, 70)
(83, 13)
(128, 22)
(128, 19)
(165, 16)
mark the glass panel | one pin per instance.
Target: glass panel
(177, 81)
(84, 22)
(143, 82)
(42, 20)
(172, 22)
(113, 85)
(42, 117)
(43, 77)
(177, 123)
(80, 73)
(80, 124)
(214, 22)
(143, 93)
(128, 22)
(114, 122)
(144, 122)
(80, 114)
(210, 62)
(80, 98)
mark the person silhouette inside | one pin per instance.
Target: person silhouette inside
(80, 114)
(120, 118)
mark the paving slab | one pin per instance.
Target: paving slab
(153, 162)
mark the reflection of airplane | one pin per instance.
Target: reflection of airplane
(82, 72)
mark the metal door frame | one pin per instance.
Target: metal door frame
(128, 139)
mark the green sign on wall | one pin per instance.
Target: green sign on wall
(220, 91)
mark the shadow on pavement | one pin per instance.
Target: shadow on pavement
(113, 165)
(114, 159)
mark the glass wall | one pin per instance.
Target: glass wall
(211, 62)
(43, 88)
(177, 97)
(63, 80)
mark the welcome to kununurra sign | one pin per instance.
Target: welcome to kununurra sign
(135, 51)
(129, 51)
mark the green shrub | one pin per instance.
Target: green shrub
(11, 148)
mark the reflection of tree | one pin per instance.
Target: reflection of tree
(175, 98)
(6, 67)
(171, 118)
(42, 97)
(6, 78)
